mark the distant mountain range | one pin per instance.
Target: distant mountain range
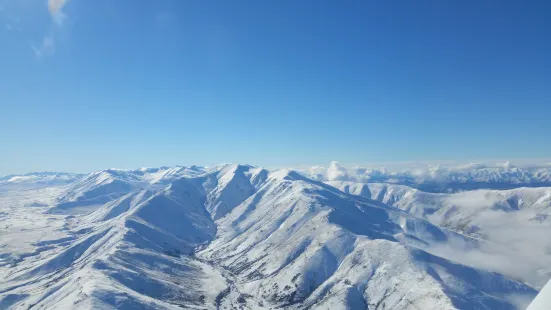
(433, 178)
(441, 179)
(45, 178)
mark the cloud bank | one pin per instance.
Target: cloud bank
(336, 172)
(499, 175)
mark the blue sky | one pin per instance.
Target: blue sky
(95, 84)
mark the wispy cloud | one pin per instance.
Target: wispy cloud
(56, 10)
(10, 21)
(47, 46)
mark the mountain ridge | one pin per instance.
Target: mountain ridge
(261, 238)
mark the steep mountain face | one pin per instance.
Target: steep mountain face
(230, 186)
(507, 218)
(93, 190)
(237, 237)
(297, 243)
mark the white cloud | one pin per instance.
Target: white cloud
(517, 246)
(470, 166)
(336, 172)
(508, 165)
(45, 48)
(475, 199)
(55, 7)
(316, 170)
(536, 171)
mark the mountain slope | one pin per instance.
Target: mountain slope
(93, 190)
(296, 243)
(244, 237)
(515, 221)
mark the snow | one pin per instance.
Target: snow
(21, 178)
(36, 180)
(515, 221)
(238, 236)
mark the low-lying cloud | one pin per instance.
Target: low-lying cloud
(441, 175)
(336, 172)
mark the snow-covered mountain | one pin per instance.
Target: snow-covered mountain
(104, 186)
(438, 178)
(508, 218)
(228, 237)
(37, 179)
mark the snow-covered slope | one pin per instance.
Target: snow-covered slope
(234, 237)
(97, 188)
(508, 218)
(298, 243)
(164, 175)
